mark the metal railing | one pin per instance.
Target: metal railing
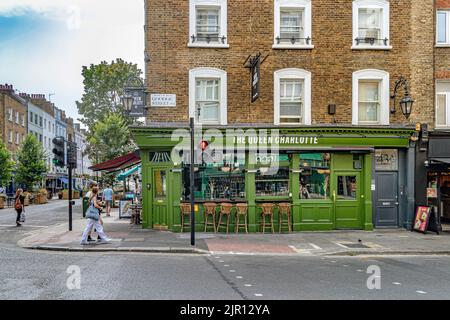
(294, 40)
(208, 39)
(371, 41)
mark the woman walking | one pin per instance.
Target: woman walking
(19, 205)
(92, 223)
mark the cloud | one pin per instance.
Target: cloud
(82, 32)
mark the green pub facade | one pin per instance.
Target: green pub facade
(333, 177)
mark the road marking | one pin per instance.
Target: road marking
(333, 261)
(421, 292)
(315, 246)
(226, 265)
(258, 295)
(397, 283)
(359, 270)
(239, 277)
(221, 261)
(247, 285)
(232, 270)
(345, 265)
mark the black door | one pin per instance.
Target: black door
(386, 199)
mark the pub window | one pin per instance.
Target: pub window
(208, 96)
(443, 27)
(292, 97)
(370, 97)
(315, 176)
(291, 101)
(272, 181)
(208, 23)
(443, 104)
(216, 181)
(371, 24)
(292, 24)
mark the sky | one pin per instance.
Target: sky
(45, 43)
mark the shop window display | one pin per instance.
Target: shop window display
(315, 176)
(272, 181)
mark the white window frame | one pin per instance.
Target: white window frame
(10, 114)
(447, 40)
(447, 102)
(10, 140)
(293, 73)
(385, 33)
(222, 4)
(209, 73)
(372, 74)
(293, 4)
(17, 117)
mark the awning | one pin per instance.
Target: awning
(125, 174)
(64, 180)
(440, 160)
(119, 163)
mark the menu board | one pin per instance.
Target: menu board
(422, 218)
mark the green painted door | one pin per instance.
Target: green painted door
(159, 198)
(347, 198)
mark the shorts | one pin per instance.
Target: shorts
(108, 202)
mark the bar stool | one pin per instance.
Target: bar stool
(241, 210)
(284, 209)
(267, 211)
(210, 210)
(185, 211)
(225, 210)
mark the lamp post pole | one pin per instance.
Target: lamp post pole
(191, 126)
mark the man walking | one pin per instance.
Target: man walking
(108, 199)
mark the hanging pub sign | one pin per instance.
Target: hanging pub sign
(256, 71)
(138, 107)
(422, 219)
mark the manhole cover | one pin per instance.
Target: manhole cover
(355, 246)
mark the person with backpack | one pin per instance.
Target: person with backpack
(19, 205)
(93, 215)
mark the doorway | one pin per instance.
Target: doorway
(159, 198)
(386, 199)
(347, 200)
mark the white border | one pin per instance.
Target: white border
(306, 5)
(376, 4)
(209, 73)
(223, 22)
(372, 74)
(447, 111)
(293, 73)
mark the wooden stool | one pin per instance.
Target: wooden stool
(241, 210)
(210, 210)
(267, 210)
(185, 211)
(225, 210)
(284, 209)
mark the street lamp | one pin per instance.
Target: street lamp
(127, 103)
(407, 102)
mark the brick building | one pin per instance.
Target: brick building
(327, 72)
(13, 118)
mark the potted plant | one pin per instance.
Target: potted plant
(60, 195)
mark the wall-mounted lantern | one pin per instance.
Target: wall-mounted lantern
(407, 102)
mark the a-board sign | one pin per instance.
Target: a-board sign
(422, 218)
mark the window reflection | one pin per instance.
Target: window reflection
(272, 181)
(347, 187)
(315, 176)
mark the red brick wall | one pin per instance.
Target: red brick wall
(442, 4)
(331, 62)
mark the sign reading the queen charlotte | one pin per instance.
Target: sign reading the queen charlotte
(280, 140)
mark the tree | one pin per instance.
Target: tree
(103, 89)
(111, 138)
(6, 165)
(31, 160)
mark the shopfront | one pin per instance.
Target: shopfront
(334, 178)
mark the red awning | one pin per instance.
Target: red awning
(119, 163)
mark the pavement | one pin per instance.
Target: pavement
(132, 238)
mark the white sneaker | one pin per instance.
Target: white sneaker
(107, 240)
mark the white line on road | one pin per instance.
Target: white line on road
(226, 265)
(247, 285)
(397, 283)
(421, 292)
(232, 270)
(315, 246)
(239, 277)
(258, 295)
